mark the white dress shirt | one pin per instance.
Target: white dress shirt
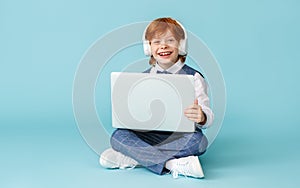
(201, 90)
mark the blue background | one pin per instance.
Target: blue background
(256, 44)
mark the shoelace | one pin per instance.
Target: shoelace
(181, 169)
(126, 163)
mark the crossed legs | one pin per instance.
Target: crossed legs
(154, 156)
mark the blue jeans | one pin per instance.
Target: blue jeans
(153, 149)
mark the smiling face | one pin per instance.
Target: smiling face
(164, 35)
(164, 48)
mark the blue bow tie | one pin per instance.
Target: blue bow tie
(163, 72)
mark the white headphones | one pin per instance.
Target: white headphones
(182, 43)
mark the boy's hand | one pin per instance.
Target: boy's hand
(194, 113)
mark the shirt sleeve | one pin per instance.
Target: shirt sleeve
(201, 93)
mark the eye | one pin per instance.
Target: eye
(156, 42)
(171, 41)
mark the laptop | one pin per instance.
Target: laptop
(151, 102)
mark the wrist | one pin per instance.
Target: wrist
(203, 120)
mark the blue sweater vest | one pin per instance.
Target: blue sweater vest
(184, 70)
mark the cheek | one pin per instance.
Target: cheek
(175, 48)
(175, 51)
(153, 50)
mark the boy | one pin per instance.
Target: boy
(161, 152)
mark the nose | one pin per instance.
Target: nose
(163, 45)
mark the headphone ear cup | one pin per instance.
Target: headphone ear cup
(147, 48)
(182, 47)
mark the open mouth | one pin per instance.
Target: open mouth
(164, 53)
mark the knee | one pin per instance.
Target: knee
(117, 138)
(203, 145)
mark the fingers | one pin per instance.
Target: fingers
(191, 111)
(194, 112)
(194, 117)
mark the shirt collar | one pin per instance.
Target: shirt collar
(173, 69)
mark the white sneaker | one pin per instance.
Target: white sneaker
(113, 159)
(186, 166)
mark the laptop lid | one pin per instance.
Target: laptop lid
(144, 101)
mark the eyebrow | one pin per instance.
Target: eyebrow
(155, 38)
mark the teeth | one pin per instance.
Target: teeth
(165, 53)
